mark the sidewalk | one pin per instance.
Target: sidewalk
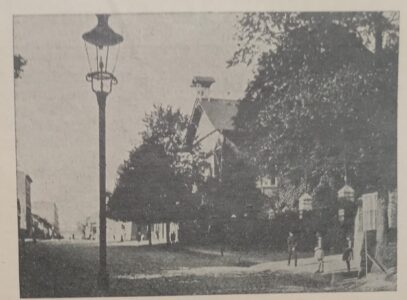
(333, 264)
(251, 256)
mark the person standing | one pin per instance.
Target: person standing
(34, 233)
(348, 253)
(292, 248)
(221, 236)
(319, 254)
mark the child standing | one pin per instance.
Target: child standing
(292, 248)
(319, 254)
(348, 253)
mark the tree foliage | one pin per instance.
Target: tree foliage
(19, 63)
(236, 192)
(155, 183)
(146, 186)
(258, 32)
(165, 126)
(323, 96)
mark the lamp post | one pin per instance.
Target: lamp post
(103, 39)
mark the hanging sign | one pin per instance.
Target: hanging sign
(369, 211)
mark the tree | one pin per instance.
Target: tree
(19, 63)
(167, 126)
(263, 31)
(319, 87)
(237, 194)
(155, 183)
(145, 187)
(324, 97)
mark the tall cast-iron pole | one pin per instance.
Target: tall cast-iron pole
(102, 37)
(103, 278)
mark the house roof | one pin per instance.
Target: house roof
(220, 112)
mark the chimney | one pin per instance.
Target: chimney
(202, 86)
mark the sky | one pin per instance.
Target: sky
(57, 114)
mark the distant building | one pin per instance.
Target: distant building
(42, 229)
(119, 231)
(47, 211)
(24, 204)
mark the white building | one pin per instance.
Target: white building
(119, 231)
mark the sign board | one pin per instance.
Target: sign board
(369, 210)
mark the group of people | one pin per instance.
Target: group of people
(292, 244)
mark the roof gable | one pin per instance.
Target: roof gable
(220, 112)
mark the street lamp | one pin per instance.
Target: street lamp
(103, 40)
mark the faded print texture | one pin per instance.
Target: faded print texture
(244, 153)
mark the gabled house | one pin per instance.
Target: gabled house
(212, 128)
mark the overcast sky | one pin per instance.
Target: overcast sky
(56, 112)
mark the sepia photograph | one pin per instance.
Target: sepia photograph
(206, 153)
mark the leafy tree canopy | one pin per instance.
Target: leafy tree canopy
(322, 97)
(260, 32)
(146, 186)
(155, 183)
(165, 126)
